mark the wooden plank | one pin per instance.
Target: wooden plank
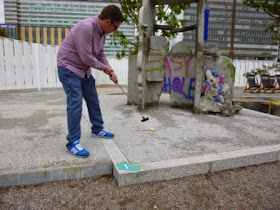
(53, 66)
(2, 65)
(58, 83)
(50, 80)
(19, 76)
(9, 62)
(33, 64)
(43, 66)
(122, 70)
(237, 75)
(47, 71)
(35, 57)
(243, 69)
(125, 70)
(27, 71)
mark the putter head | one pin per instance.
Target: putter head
(144, 119)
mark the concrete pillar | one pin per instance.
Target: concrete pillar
(45, 35)
(59, 36)
(146, 30)
(52, 36)
(154, 72)
(199, 53)
(132, 90)
(22, 33)
(38, 35)
(66, 31)
(30, 34)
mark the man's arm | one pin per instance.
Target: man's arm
(83, 43)
(103, 58)
(108, 69)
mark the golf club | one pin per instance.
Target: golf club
(143, 118)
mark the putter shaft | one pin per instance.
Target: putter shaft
(130, 100)
(125, 94)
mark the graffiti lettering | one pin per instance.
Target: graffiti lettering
(180, 62)
(191, 88)
(178, 85)
(177, 61)
(155, 58)
(172, 64)
(167, 66)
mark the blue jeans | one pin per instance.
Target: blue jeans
(77, 88)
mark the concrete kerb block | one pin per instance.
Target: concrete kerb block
(50, 175)
(117, 157)
(246, 157)
(115, 154)
(163, 170)
(178, 168)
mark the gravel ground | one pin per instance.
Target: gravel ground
(255, 187)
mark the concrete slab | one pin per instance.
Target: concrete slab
(33, 128)
(177, 168)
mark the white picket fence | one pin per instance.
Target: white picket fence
(243, 66)
(24, 65)
(28, 65)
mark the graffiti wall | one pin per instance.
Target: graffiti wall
(175, 72)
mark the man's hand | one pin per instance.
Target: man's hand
(107, 70)
(113, 77)
(111, 74)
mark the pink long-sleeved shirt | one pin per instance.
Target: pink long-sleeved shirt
(83, 48)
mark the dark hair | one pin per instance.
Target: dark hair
(111, 12)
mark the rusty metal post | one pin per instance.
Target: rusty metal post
(231, 52)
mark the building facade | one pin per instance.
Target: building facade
(251, 41)
(49, 21)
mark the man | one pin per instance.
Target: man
(81, 49)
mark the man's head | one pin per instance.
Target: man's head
(110, 18)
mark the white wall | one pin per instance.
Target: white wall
(24, 65)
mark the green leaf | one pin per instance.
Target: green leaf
(164, 14)
(272, 8)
